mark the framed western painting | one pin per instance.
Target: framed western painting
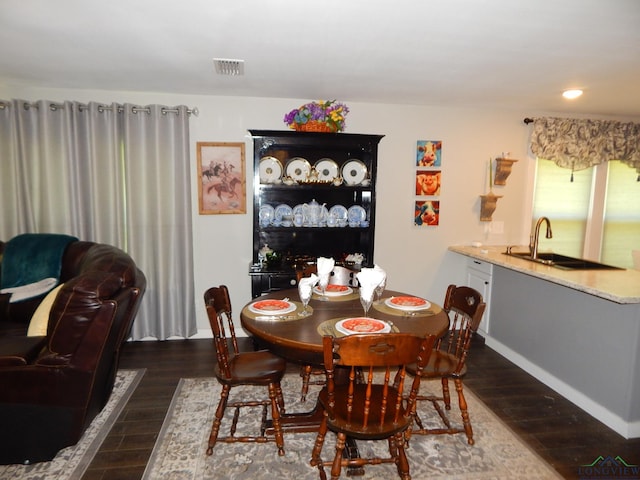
(221, 178)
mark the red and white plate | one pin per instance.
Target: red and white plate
(349, 326)
(406, 303)
(334, 290)
(272, 307)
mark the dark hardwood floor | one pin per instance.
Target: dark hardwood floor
(561, 433)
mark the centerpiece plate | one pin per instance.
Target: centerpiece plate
(408, 304)
(349, 326)
(272, 307)
(334, 290)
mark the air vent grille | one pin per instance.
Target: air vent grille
(226, 66)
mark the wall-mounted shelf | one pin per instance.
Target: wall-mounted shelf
(488, 204)
(503, 170)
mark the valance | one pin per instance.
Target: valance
(581, 143)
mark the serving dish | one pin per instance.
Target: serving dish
(407, 303)
(350, 326)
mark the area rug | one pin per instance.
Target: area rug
(179, 453)
(70, 463)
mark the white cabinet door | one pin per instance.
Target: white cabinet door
(479, 278)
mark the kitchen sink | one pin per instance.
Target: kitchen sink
(563, 261)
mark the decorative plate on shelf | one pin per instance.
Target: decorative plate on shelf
(339, 212)
(327, 169)
(272, 307)
(266, 214)
(349, 326)
(281, 211)
(298, 168)
(354, 172)
(356, 214)
(334, 290)
(270, 170)
(409, 304)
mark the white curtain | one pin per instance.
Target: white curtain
(116, 174)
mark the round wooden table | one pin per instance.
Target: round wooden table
(300, 339)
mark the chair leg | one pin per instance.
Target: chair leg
(336, 467)
(466, 421)
(446, 396)
(280, 398)
(215, 428)
(316, 453)
(402, 463)
(275, 416)
(305, 373)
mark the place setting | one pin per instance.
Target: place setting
(273, 309)
(405, 306)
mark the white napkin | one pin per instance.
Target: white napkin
(369, 279)
(325, 265)
(383, 280)
(305, 285)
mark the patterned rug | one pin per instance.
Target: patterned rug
(71, 462)
(179, 453)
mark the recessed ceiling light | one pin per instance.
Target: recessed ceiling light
(571, 94)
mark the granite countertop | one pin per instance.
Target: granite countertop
(620, 286)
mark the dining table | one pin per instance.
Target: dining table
(298, 338)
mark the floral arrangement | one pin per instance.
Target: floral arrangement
(318, 116)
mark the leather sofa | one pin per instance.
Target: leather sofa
(54, 385)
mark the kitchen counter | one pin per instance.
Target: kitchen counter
(577, 331)
(620, 286)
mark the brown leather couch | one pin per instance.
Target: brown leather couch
(53, 386)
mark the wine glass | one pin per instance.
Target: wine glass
(304, 290)
(323, 282)
(366, 299)
(380, 288)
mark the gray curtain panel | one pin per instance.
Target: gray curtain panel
(116, 174)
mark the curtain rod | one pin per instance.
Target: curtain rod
(101, 108)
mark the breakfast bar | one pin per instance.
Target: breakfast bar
(578, 331)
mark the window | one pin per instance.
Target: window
(597, 216)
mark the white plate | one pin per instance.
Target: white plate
(334, 290)
(270, 170)
(298, 169)
(356, 214)
(282, 210)
(266, 214)
(272, 307)
(349, 326)
(327, 169)
(339, 212)
(407, 303)
(354, 172)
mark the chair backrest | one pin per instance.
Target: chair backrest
(380, 395)
(465, 308)
(218, 304)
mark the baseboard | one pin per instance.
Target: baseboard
(626, 429)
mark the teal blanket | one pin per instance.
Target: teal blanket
(31, 257)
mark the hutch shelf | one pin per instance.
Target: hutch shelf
(331, 177)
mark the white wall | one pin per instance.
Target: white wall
(416, 259)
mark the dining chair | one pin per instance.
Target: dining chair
(235, 368)
(373, 408)
(465, 308)
(339, 276)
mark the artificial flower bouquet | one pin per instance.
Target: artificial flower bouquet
(320, 116)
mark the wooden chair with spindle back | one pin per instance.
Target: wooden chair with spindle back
(372, 409)
(465, 308)
(236, 368)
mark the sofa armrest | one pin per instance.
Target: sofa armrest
(15, 351)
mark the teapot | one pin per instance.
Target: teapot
(313, 212)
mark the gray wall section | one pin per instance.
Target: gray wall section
(589, 343)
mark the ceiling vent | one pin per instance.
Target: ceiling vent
(226, 66)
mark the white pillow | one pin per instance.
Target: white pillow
(40, 318)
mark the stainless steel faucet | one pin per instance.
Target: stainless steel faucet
(533, 241)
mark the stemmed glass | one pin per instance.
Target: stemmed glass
(380, 288)
(323, 282)
(304, 290)
(366, 299)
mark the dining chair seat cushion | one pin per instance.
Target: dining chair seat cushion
(441, 364)
(254, 368)
(375, 430)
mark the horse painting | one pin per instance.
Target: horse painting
(229, 188)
